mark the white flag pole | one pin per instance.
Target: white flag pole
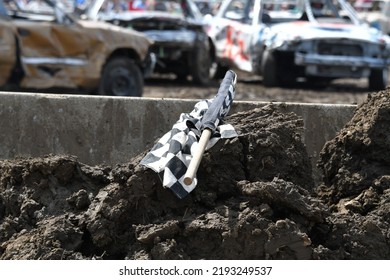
(194, 164)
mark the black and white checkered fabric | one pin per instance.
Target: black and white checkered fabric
(172, 154)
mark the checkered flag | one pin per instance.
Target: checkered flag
(172, 154)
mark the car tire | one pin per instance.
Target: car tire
(200, 70)
(181, 77)
(121, 77)
(318, 82)
(378, 79)
(217, 71)
(269, 70)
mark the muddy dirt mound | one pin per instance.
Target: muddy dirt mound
(255, 199)
(356, 180)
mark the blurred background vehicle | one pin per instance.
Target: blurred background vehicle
(375, 12)
(43, 47)
(285, 42)
(181, 44)
(208, 7)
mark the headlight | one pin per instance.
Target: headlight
(285, 40)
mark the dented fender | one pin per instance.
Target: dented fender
(7, 51)
(55, 55)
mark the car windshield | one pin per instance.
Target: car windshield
(3, 10)
(369, 6)
(283, 9)
(33, 6)
(314, 10)
(37, 10)
(174, 7)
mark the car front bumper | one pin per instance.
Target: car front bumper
(149, 65)
(336, 66)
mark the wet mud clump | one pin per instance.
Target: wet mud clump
(356, 184)
(255, 199)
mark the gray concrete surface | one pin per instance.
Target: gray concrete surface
(111, 130)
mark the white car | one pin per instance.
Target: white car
(287, 41)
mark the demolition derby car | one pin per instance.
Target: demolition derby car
(287, 41)
(42, 48)
(181, 44)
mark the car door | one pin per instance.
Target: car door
(7, 46)
(235, 33)
(54, 50)
(52, 55)
(7, 51)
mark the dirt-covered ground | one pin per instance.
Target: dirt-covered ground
(256, 198)
(249, 88)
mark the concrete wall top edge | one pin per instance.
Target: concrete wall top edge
(149, 99)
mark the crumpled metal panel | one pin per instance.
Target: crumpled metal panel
(55, 55)
(7, 51)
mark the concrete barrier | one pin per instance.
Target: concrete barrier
(111, 130)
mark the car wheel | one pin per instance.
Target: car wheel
(318, 82)
(181, 77)
(200, 70)
(269, 70)
(217, 71)
(121, 77)
(378, 79)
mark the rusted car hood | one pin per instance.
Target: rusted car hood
(161, 27)
(144, 15)
(114, 35)
(7, 50)
(153, 15)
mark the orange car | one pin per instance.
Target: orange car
(47, 48)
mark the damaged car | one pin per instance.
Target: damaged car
(285, 42)
(43, 48)
(181, 44)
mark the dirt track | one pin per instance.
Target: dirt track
(250, 88)
(255, 198)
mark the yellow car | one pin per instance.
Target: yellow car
(43, 48)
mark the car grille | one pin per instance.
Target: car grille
(339, 49)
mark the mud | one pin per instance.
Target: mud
(256, 198)
(250, 88)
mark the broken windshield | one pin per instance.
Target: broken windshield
(311, 10)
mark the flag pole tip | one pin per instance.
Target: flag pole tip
(187, 181)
